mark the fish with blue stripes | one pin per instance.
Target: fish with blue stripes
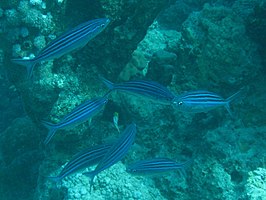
(149, 89)
(157, 165)
(70, 40)
(116, 152)
(79, 114)
(202, 101)
(83, 159)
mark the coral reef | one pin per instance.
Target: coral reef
(184, 45)
(256, 184)
(113, 183)
(223, 53)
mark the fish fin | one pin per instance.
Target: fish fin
(108, 83)
(54, 178)
(242, 92)
(238, 95)
(52, 129)
(28, 63)
(91, 175)
(182, 171)
(90, 120)
(227, 106)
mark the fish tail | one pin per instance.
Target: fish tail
(108, 83)
(182, 171)
(52, 129)
(28, 63)
(238, 95)
(227, 107)
(91, 175)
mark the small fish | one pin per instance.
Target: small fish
(156, 165)
(83, 159)
(72, 39)
(116, 152)
(80, 114)
(150, 89)
(202, 101)
(115, 120)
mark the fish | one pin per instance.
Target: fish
(78, 115)
(115, 120)
(86, 158)
(149, 89)
(116, 152)
(203, 101)
(155, 166)
(75, 38)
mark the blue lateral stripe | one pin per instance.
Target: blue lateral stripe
(70, 34)
(85, 158)
(202, 97)
(70, 37)
(145, 85)
(88, 155)
(149, 89)
(157, 164)
(84, 109)
(116, 152)
(64, 42)
(120, 148)
(146, 88)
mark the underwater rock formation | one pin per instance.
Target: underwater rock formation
(20, 159)
(256, 184)
(114, 183)
(191, 45)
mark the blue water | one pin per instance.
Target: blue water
(184, 45)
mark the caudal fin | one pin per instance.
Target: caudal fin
(237, 96)
(52, 129)
(91, 175)
(108, 83)
(28, 63)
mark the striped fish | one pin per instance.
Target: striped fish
(156, 165)
(150, 89)
(118, 150)
(72, 39)
(80, 114)
(202, 101)
(83, 159)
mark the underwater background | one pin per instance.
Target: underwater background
(185, 45)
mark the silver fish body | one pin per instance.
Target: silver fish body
(70, 40)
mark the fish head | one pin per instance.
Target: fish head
(178, 102)
(102, 24)
(129, 170)
(181, 104)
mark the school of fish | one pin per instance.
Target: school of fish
(106, 155)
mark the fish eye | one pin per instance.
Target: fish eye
(102, 25)
(180, 103)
